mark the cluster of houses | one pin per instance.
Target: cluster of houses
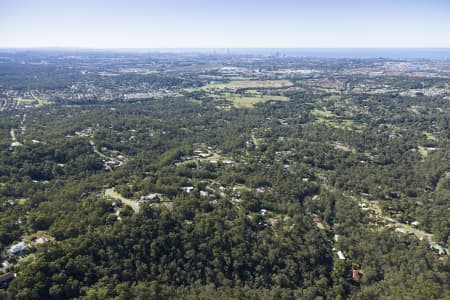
(199, 153)
(263, 189)
(13, 255)
(409, 228)
(204, 154)
(274, 222)
(112, 163)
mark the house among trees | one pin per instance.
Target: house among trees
(41, 240)
(439, 248)
(18, 248)
(355, 274)
(341, 255)
(187, 189)
(154, 197)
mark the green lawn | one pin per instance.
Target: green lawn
(249, 102)
(248, 84)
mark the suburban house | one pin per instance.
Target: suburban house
(18, 248)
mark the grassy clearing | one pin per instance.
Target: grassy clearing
(443, 180)
(249, 102)
(28, 101)
(328, 118)
(326, 90)
(429, 136)
(41, 102)
(251, 96)
(323, 113)
(223, 107)
(107, 74)
(248, 84)
(339, 124)
(199, 102)
(22, 201)
(425, 151)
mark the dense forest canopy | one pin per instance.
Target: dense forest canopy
(205, 176)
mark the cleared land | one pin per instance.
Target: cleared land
(248, 84)
(111, 193)
(249, 102)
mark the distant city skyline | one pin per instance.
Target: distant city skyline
(225, 24)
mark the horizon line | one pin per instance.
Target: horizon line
(209, 48)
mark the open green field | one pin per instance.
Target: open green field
(249, 102)
(248, 84)
(345, 124)
(323, 113)
(41, 102)
(22, 201)
(429, 136)
(330, 119)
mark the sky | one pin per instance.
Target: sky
(225, 24)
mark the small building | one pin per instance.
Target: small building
(187, 189)
(341, 255)
(262, 189)
(439, 248)
(150, 197)
(41, 240)
(16, 144)
(18, 248)
(204, 194)
(355, 274)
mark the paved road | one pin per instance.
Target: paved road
(94, 148)
(254, 140)
(111, 193)
(13, 135)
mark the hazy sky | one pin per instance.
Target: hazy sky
(224, 24)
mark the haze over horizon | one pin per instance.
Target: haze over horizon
(231, 24)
